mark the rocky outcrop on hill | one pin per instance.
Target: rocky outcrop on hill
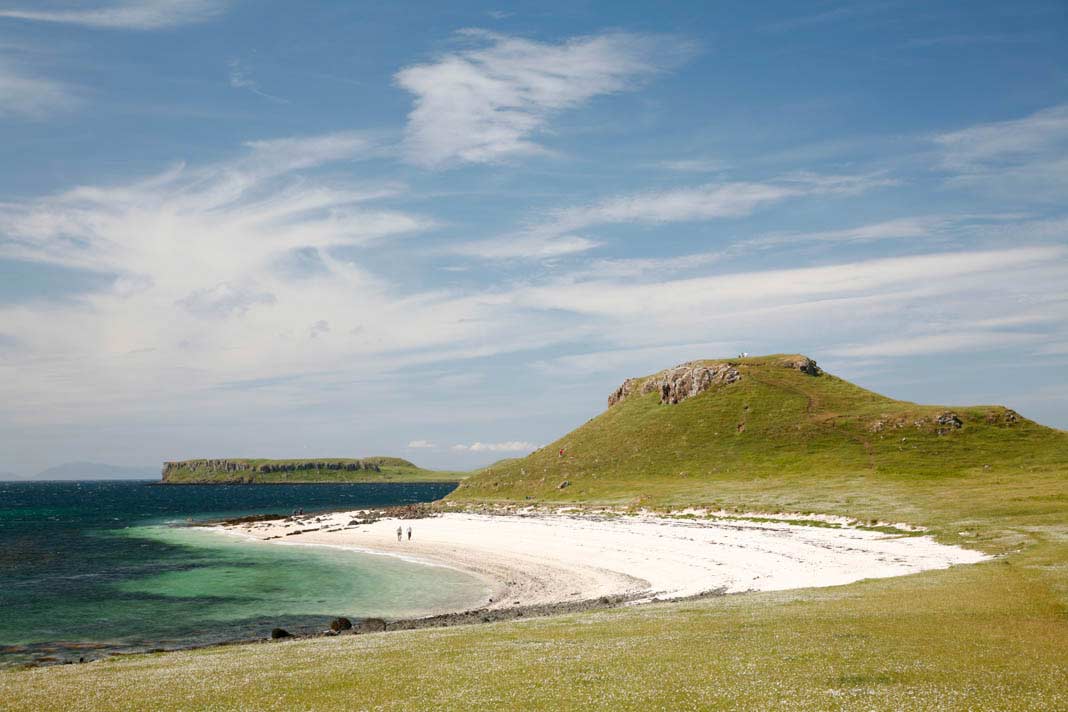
(803, 364)
(679, 383)
(949, 419)
(629, 386)
(238, 467)
(1003, 416)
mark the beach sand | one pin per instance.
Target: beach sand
(546, 558)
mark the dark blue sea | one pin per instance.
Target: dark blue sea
(90, 569)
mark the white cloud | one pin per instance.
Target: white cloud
(979, 147)
(486, 104)
(507, 446)
(900, 228)
(556, 237)
(128, 14)
(224, 299)
(33, 97)
(195, 255)
(203, 315)
(733, 295)
(705, 202)
(459, 381)
(694, 165)
(526, 247)
(646, 266)
(1022, 158)
(241, 78)
(195, 224)
(939, 343)
(421, 445)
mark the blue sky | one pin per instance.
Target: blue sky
(447, 230)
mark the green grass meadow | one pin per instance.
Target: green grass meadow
(989, 636)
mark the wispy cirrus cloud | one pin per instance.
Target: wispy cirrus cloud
(126, 14)
(30, 97)
(924, 226)
(1023, 158)
(693, 165)
(241, 78)
(735, 295)
(840, 13)
(202, 294)
(488, 103)
(255, 206)
(949, 342)
(559, 234)
(195, 260)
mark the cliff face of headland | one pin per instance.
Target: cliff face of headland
(252, 471)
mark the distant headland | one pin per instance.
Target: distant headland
(300, 471)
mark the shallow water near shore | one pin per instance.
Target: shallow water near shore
(93, 568)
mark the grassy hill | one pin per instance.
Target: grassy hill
(301, 471)
(784, 436)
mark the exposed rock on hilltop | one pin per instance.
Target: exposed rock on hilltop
(693, 377)
(803, 364)
(629, 386)
(679, 383)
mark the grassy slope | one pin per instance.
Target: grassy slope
(989, 636)
(393, 469)
(778, 430)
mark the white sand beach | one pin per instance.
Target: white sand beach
(550, 558)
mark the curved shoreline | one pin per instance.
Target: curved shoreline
(539, 563)
(535, 559)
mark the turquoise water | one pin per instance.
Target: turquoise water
(91, 569)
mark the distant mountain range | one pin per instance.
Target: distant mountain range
(88, 471)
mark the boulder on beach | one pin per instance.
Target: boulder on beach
(371, 625)
(339, 624)
(277, 633)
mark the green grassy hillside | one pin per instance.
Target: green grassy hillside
(779, 435)
(301, 471)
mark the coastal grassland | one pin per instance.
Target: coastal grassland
(247, 471)
(987, 636)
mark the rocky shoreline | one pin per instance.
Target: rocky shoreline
(369, 626)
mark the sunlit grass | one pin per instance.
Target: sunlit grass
(987, 636)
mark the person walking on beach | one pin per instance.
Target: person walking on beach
(409, 532)
(400, 533)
